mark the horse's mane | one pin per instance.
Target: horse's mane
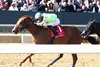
(29, 16)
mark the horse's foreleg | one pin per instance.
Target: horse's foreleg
(60, 56)
(74, 56)
(30, 60)
(29, 56)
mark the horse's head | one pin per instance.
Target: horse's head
(90, 29)
(22, 23)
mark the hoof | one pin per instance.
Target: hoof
(20, 64)
(49, 65)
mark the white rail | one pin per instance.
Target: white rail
(31, 48)
(74, 25)
(9, 25)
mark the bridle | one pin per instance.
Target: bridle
(86, 32)
(26, 24)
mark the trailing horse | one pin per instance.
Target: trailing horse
(93, 27)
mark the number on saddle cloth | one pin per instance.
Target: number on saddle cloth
(59, 30)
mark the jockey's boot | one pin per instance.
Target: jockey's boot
(53, 30)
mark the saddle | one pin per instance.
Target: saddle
(59, 30)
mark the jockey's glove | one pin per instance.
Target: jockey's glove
(41, 24)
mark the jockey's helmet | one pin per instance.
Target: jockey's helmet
(38, 15)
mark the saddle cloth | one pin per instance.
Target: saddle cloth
(59, 30)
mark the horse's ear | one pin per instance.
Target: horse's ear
(94, 20)
(91, 19)
(33, 20)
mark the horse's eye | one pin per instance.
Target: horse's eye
(20, 26)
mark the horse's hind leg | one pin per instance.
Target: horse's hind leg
(60, 56)
(74, 56)
(29, 56)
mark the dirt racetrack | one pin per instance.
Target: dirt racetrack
(42, 60)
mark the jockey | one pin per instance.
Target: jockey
(47, 20)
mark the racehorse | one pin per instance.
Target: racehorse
(93, 27)
(42, 36)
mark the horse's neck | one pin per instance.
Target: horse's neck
(98, 34)
(34, 30)
(97, 28)
(38, 31)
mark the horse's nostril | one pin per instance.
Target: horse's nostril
(14, 31)
(83, 35)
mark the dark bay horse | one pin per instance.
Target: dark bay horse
(93, 27)
(42, 36)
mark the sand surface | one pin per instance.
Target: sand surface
(42, 60)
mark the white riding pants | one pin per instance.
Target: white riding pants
(57, 22)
